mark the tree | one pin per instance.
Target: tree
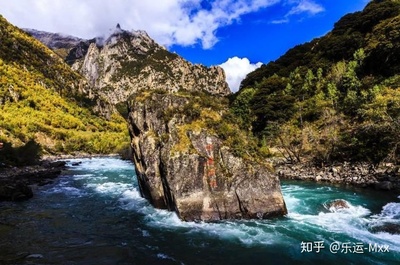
(271, 104)
(241, 107)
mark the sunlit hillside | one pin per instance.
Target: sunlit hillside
(42, 99)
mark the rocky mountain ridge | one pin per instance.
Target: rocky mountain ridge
(54, 40)
(130, 61)
(69, 48)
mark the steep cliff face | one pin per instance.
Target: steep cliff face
(183, 166)
(127, 62)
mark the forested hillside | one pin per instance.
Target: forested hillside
(43, 100)
(336, 98)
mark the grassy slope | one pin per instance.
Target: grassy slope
(40, 100)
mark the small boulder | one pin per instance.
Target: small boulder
(337, 204)
(58, 164)
(391, 228)
(384, 185)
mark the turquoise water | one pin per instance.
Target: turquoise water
(94, 214)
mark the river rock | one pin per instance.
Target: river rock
(391, 228)
(197, 177)
(337, 204)
(384, 185)
(15, 191)
(15, 182)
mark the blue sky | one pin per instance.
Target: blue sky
(258, 37)
(239, 35)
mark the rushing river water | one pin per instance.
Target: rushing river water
(94, 214)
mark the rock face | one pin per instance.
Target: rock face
(187, 169)
(70, 48)
(128, 62)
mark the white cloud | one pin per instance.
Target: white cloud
(280, 21)
(305, 6)
(299, 7)
(182, 22)
(236, 70)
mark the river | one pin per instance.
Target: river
(93, 214)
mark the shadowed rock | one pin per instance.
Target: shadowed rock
(15, 182)
(384, 185)
(391, 228)
(15, 192)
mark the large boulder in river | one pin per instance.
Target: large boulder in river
(183, 164)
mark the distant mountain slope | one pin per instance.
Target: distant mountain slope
(43, 99)
(68, 47)
(55, 41)
(334, 98)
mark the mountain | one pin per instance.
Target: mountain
(59, 43)
(44, 100)
(128, 62)
(335, 98)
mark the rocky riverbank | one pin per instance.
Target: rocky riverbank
(386, 177)
(16, 182)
